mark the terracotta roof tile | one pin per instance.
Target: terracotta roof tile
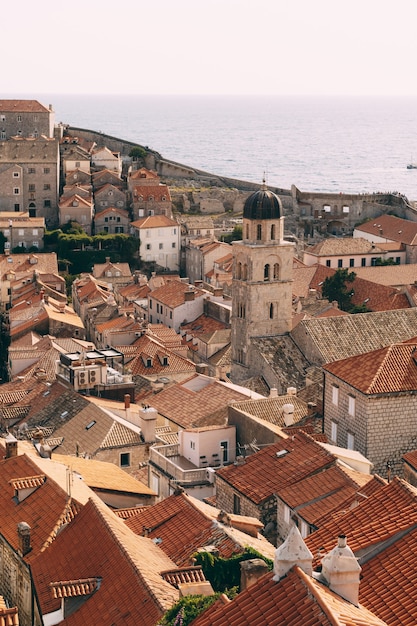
(22, 106)
(381, 531)
(394, 228)
(45, 508)
(200, 395)
(155, 221)
(281, 464)
(132, 590)
(184, 524)
(296, 599)
(172, 294)
(388, 370)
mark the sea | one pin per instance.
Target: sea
(324, 144)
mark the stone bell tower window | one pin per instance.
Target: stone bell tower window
(259, 232)
(276, 271)
(266, 272)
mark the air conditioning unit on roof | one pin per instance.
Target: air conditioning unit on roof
(210, 474)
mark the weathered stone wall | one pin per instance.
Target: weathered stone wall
(138, 454)
(249, 429)
(384, 427)
(16, 585)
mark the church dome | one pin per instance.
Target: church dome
(262, 205)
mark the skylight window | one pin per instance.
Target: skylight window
(90, 425)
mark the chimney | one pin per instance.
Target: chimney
(147, 421)
(341, 571)
(23, 531)
(288, 410)
(291, 391)
(251, 571)
(11, 446)
(292, 552)
(107, 259)
(273, 392)
(189, 295)
(311, 408)
(127, 406)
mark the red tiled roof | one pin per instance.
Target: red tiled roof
(203, 324)
(100, 546)
(22, 106)
(381, 531)
(316, 497)
(185, 406)
(45, 509)
(378, 297)
(112, 209)
(183, 529)
(172, 294)
(155, 221)
(387, 370)
(394, 228)
(146, 347)
(295, 599)
(158, 193)
(301, 457)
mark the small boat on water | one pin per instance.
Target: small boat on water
(412, 166)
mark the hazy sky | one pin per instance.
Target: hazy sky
(210, 46)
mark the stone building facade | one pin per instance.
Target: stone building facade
(29, 177)
(25, 118)
(378, 419)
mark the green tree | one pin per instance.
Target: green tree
(335, 288)
(137, 153)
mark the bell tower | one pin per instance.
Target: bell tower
(262, 279)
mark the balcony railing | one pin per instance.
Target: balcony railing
(169, 460)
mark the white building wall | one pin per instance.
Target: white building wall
(161, 245)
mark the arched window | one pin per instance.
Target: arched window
(239, 270)
(245, 272)
(259, 232)
(271, 311)
(272, 232)
(276, 271)
(247, 231)
(266, 272)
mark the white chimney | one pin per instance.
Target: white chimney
(273, 392)
(291, 391)
(292, 552)
(288, 410)
(341, 570)
(147, 421)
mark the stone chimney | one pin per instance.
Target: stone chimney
(11, 446)
(291, 391)
(23, 531)
(273, 392)
(147, 420)
(251, 571)
(189, 295)
(127, 406)
(292, 552)
(341, 571)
